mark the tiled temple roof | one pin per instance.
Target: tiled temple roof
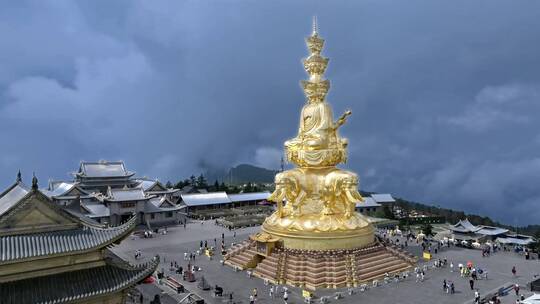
(161, 204)
(19, 247)
(128, 194)
(75, 285)
(103, 169)
(12, 195)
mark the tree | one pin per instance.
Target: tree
(427, 229)
(387, 212)
(169, 184)
(201, 182)
(248, 188)
(180, 185)
(216, 186)
(193, 181)
(536, 245)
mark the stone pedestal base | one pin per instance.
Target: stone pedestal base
(321, 240)
(313, 269)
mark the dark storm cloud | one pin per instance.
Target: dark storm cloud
(445, 95)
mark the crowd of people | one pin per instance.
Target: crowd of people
(465, 271)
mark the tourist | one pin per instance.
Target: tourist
(141, 298)
(476, 297)
(444, 285)
(255, 293)
(156, 300)
(516, 289)
(514, 271)
(251, 299)
(285, 296)
(451, 267)
(271, 292)
(234, 234)
(422, 275)
(452, 288)
(471, 284)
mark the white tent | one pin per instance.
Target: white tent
(534, 299)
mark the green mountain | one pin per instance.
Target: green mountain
(244, 173)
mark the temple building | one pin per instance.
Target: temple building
(49, 255)
(99, 176)
(108, 193)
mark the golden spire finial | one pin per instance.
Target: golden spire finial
(315, 27)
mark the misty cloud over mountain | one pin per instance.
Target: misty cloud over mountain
(445, 95)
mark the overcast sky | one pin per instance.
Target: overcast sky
(445, 94)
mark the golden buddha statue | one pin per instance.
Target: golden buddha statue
(317, 199)
(315, 239)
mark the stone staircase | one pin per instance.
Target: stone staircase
(243, 255)
(322, 269)
(270, 268)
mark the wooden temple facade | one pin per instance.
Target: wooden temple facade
(48, 255)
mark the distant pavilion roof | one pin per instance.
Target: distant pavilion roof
(383, 198)
(514, 241)
(23, 246)
(75, 285)
(367, 203)
(103, 169)
(202, 199)
(488, 230)
(464, 226)
(245, 197)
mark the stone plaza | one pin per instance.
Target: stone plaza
(180, 240)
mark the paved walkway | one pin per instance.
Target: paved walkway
(171, 247)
